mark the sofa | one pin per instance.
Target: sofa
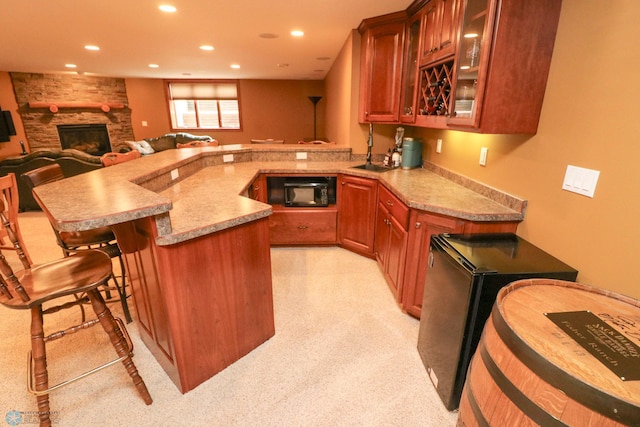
(165, 142)
(73, 162)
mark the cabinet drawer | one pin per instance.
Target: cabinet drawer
(396, 208)
(303, 226)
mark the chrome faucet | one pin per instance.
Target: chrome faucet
(370, 143)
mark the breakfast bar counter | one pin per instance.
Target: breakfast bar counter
(193, 192)
(197, 249)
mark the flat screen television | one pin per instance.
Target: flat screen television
(6, 126)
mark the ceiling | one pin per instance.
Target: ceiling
(43, 35)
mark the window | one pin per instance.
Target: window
(205, 104)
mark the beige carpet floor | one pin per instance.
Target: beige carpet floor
(344, 354)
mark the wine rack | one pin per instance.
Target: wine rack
(435, 89)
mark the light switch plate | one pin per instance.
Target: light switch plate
(580, 180)
(483, 156)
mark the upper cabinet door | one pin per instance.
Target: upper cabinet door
(440, 26)
(502, 65)
(382, 65)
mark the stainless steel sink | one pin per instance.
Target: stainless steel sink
(372, 167)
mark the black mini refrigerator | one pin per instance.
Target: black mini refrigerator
(464, 275)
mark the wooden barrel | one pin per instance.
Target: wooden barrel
(556, 353)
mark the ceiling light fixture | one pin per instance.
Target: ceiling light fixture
(154, 66)
(206, 47)
(323, 58)
(70, 65)
(297, 33)
(167, 8)
(91, 47)
(268, 36)
(235, 66)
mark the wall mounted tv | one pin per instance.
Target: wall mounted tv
(6, 126)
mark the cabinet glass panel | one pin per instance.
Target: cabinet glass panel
(469, 58)
(411, 70)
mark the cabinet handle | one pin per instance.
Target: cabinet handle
(257, 187)
(389, 203)
(343, 183)
(302, 227)
(418, 224)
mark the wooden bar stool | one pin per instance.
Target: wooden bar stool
(75, 241)
(55, 282)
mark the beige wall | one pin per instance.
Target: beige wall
(270, 109)
(589, 119)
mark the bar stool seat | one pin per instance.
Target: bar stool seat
(54, 282)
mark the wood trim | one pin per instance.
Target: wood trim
(54, 107)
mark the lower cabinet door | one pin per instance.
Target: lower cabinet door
(303, 226)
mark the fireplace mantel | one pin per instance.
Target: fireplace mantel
(55, 106)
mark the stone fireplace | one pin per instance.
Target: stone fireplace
(56, 109)
(90, 138)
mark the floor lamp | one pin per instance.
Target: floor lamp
(315, 100)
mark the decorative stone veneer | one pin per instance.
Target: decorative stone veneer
(40, 124)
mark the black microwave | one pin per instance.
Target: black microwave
(312, 194)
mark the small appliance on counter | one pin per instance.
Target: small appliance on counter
(411, 153)
(464, 276)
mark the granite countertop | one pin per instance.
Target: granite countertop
(208, 193)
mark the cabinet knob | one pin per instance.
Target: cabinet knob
(302, 227)
(389, 203)
(418, 224)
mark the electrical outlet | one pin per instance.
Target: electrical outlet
(174, 174)
(483, 156)
(439, 146)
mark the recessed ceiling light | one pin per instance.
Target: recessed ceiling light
(297, 33)
(167, 8)
(154, 66)
(206, 47)
(283, 65)
(268, 36)
(318, 71)
(70, 65)
(235, 66)
(91, 47)
(323, 58)
(471, 35)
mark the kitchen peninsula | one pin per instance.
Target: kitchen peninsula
(197, 250)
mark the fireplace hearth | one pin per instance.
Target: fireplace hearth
(90, 138)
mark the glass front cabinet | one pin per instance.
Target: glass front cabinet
(471, 64)
(489, 71)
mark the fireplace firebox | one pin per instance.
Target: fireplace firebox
(90, 138)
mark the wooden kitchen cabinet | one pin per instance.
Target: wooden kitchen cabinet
(440, 26)
(307, 226)
(381, 68)
(502, 65)
(391, 239)
(258, 189)
(410, 73)
(423, 225)
(357, 213)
